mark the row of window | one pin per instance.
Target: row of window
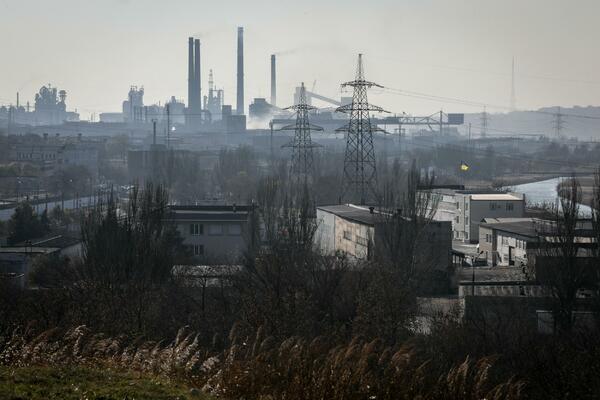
(498, 206)
(520, 244)
(29, 156)
(466, 206)
(359, 239)
(216, 229)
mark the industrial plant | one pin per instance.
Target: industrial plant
(249, 200)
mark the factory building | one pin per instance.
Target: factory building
(133, 107)
(50, 109)
(213, 103)
(261, 110)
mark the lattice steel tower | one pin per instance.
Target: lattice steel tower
(301, 169)
(360, 172)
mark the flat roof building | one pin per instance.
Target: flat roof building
(213, 233)
(359, 231)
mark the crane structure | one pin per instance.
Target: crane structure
(360, 172)
(301, 168)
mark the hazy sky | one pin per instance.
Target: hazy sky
(460, 49)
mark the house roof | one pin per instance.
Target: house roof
(532, 227)
(497, 196)
(209, 213)
(360, 214)
(525, 227)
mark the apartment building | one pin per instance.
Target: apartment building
(213, 233)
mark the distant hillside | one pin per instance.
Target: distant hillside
(541, 122)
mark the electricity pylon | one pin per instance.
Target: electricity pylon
(301, 168)
(360, 172)
(558, 123)
(485, 119)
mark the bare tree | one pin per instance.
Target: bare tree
(559, 264)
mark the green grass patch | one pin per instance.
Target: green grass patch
(66, 383)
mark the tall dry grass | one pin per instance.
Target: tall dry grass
(261, 367)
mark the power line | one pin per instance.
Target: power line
(454, 100)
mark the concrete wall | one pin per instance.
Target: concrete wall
(353, 238)
(487, 244)
(480, 209)
(513, 245)
(325, 234)
(222, 241)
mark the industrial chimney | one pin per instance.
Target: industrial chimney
(197, 81)
(273, 81)
(240, 71)
(190, 74)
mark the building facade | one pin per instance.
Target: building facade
(467, 208)
(359, 232)
(213, 233)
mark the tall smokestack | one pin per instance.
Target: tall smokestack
(197, 82)
(273, 81)
(240, 71)
(190, 74)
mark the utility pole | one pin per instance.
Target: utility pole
(441, 126)
(559, 123)
(513, 96)
(485, 118)
(301, 168)
(168, 126)
(360, 172)
(469, 134)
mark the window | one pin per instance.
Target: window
(215, 229)
(196, 229)
(362, 241)
(510, 206)
(466, 235)
(347, 235)
(466, 206)
(234, 230)
(457, 219)
(492, 206)
(198, 250)
(466, 220)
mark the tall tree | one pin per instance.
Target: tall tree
(25, 224)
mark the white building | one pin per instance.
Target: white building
(467, 208)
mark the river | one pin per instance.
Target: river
(545, 192)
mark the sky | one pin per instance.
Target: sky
(459, 51)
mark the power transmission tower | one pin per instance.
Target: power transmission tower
(360, 172)
(513, 96)
(485, 119)
(558, 123)
(301, 168)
